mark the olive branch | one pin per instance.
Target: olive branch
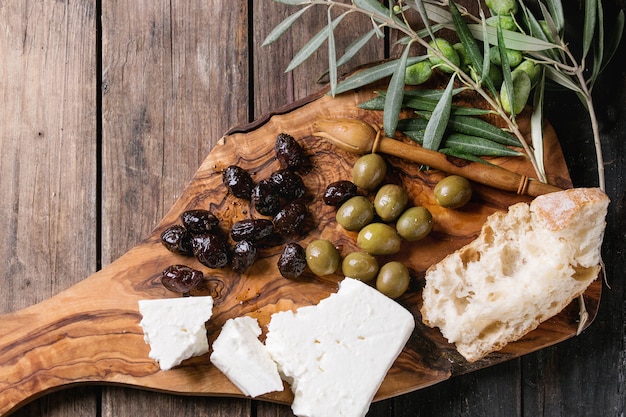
(537, 33)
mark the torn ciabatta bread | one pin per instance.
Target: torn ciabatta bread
(526, 265)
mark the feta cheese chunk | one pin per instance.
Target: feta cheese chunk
(174, 328)
(241, 356)
(336, 354)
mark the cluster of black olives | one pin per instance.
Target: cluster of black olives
(279, 196)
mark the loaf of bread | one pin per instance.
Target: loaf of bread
(526, 265)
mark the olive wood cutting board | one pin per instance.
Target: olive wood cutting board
(90, 333)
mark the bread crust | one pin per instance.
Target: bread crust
(526, 265)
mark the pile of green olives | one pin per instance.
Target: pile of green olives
(372, 214)
(383, 219)
(372, 217)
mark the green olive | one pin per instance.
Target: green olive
(369, 171)
(545, 27)
(521, 91)
(495, 73)
(464, 58)
(533, 70)
(359, 265)
(515, 57)
(453, 191)
(390, 201)
(415, 224)
(379, 239)
(502, 7)
(418, 73)
(355, 213)
(393, 279)
(506, 22)
(322, 257)
(448, 51)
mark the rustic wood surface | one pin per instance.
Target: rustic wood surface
(110, 107)
(90, 332)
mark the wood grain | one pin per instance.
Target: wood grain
(175, 77)
(89, 333)
(47, 41)
(47, 148)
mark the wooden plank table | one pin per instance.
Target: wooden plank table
(109, 107)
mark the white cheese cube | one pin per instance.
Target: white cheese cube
(241, 356)
(174, 328)
(336, 354)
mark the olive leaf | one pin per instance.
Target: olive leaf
(422, 101)
(555, 11)
(437, 14)
(536, 127)
(420, 34)
(356, 46)
(466, 144)
(373, 74)
(378, 10)
(562, 79)
(506, 70)
(486, 48)
(313, 44)
(292, 2)
(439, 119)
(471, 47)
(598, 51)
(477, 127)
(332, 54)
(283, 26)
(432, 94)
(351, 50)
(476, 145)
(469, 125)
(454, 110)
(412, 124)
(614, 39)
(589, 26)
(419, 6)
(395, 94)
(512, 40)
(462, 155)
(537, 32)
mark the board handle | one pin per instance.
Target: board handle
(85, 334)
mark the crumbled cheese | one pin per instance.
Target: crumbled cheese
(336, 354)
(174, 328)
(241, 356)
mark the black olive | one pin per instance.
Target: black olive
(211, 249)
(265, 198)
(288, 184)
(292, 261)
(181, 278)
(244, 255)
(177, 239)
(289, 152)
(290, 220)
(339, 192)
(238, 181)
(273, 240)
(199, 221)
(251, 229)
